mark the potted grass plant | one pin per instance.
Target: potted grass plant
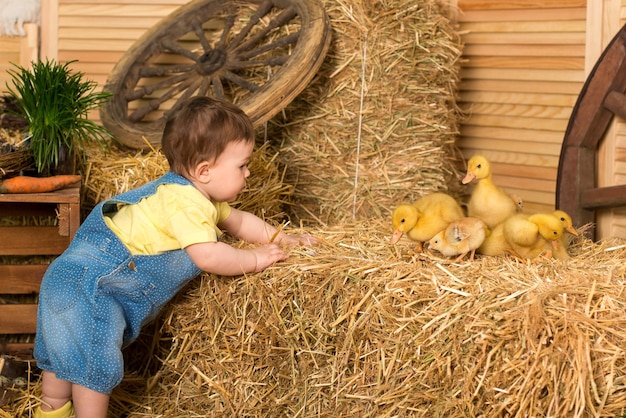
(55, 102)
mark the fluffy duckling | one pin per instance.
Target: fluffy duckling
(529, 235)
(461, 237)
(495, 243)
(421, 220)
(561, 252)
(488, 201)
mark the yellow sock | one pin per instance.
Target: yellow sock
(66, 411)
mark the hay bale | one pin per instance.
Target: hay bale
(378, 123)
(355, 327)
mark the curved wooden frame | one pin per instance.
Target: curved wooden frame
(601, 97)
(211, 67)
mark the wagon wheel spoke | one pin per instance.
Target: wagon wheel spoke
(261, 11)
(148, 90)
(187, 87)
(258, 54)
(279, 43)
(284, 17)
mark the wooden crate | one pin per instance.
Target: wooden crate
(28, 240)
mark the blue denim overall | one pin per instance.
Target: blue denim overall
(96, 296)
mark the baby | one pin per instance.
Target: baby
(135, 251)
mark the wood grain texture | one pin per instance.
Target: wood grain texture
(519, 4)
(23, 318)
(516, 15)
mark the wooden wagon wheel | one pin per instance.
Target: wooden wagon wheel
(601, 98)
(258, 54)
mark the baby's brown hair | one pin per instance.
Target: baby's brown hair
(199, 130)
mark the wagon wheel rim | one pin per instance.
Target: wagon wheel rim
(258, 54)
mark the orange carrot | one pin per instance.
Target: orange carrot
(27, 184)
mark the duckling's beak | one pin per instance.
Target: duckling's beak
(397, 234)
(572, 230)
(468, 178)
(555, 244)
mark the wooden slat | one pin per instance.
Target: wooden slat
(516, 122)
(123, 22)
(562, 100)
(32, 240)
(103, 9)
(524, 27)
(525, 171)
(17, 279)
(18, 319)
(518, 4)
(511, 134)
(489, 122)
(18, 349)
(91, 59)
(565, 38)
(521, 86)
(538, 111)
(69, 195)
(119, 45)
(523, 50)
(540, 63)
(510, 146)
(512, 15)
(100, 33)
(530, 75)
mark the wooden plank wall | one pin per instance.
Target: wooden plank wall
(523, 68)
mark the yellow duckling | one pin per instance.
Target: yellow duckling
(495, 243)
(488, 201)
(461, 237)
(529, 235)
(562, 252)
(421, 220)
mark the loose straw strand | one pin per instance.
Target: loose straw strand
(358, 140)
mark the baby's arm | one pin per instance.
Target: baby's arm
(251, 228)
(220, 258)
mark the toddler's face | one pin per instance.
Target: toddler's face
(230, 171)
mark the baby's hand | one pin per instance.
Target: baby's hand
(268, 254)
(295, 240)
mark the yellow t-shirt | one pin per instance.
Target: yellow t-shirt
(175, 217)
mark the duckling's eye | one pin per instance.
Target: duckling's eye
(402, 221)
(555, 233)
(562, 219)
(479, 166)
